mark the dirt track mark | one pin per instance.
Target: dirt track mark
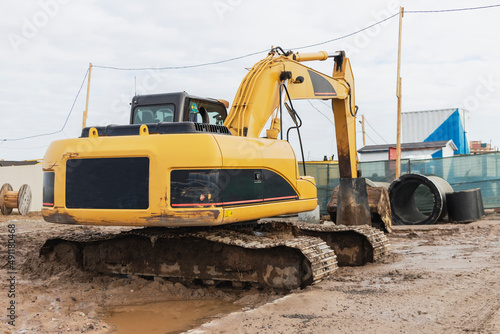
(481, 317)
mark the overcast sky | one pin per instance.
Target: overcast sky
(449, 60)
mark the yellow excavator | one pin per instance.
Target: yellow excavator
(202, 184)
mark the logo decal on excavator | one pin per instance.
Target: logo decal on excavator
(321, 86)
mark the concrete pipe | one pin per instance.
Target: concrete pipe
(465, 206)
(402, 194)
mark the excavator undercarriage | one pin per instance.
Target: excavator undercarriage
(275, 253)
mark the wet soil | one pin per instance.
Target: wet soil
(166, 317)
(438, 279)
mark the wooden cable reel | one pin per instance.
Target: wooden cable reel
(19, 200)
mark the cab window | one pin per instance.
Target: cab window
(205, 112)
(154, 114)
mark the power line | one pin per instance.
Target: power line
(297, 48)
(373, 141)
(180, 67)
(358, 131)
(348, 35)
(449, 10)
(65, 122)
(320, 111)
(241, 57)
(378, 134)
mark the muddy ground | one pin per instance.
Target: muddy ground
(438, 279)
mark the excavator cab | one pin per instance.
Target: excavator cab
(176, 107)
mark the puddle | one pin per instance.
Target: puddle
(165, 317)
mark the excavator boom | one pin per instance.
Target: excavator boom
(260, 93)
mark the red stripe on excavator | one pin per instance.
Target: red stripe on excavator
(236, 202)
(278, 198)
(222, 203)
(48, 204)
(329, 93)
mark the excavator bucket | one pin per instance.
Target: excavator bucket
(353, 203)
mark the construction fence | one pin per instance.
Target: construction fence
(462, 172)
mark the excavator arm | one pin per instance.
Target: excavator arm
(254, 104)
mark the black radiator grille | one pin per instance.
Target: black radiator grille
(107, 183)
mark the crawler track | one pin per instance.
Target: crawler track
(353, 245)
(281, 254)
(218, 255)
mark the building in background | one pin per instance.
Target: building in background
(477, 146)
(436, 126)
(421, 150)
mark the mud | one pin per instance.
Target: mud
(165, 317)
(438, 279)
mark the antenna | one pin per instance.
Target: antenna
(135, 85)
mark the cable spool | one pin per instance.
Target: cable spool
(19, 200)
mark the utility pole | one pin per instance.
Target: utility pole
(84, 122)
(363, 128)
(398, 95)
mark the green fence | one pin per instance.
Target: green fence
(462, 172)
